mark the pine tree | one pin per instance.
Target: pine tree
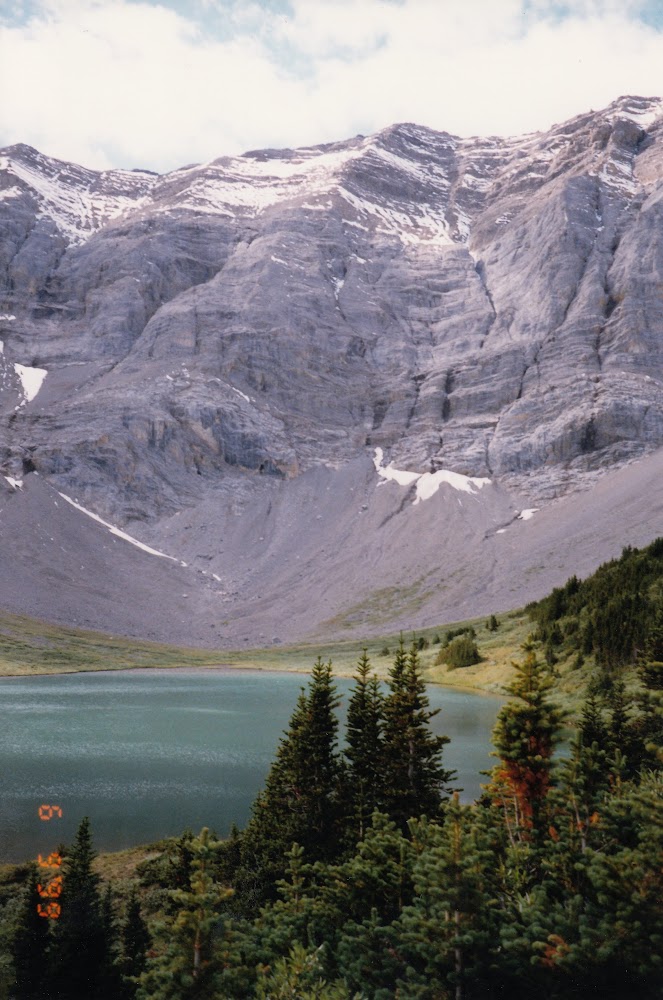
(364, 779)
(448, 930)
(370, 892)
(79, 953)
(649, 726)
(651, 661)
(136, 941)
(298, 975)
(300, 802)
(525, 736)
(29, 947)
(412, 754)
(185, 965)
(112, 981)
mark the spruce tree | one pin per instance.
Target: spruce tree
(448, 931)
(298, 975)
(415, 776)
(29, 947)
(301, 799)
(79, 952)
(649, 726)
(364, 778)
(135, 942)
(112, 979)
(525, 736)
(186, 964)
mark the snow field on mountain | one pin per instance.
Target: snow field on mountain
(31, 380)
(428, 483)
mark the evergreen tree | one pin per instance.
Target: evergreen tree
(364, 777)
(298, 975)
(29, 947)
(370, 892)
(525, 736)
(623, 732)
(79, 953)
(135, 944)
(185, 964)
(449, 929)
(651, 661)
(585, 779)
(300, 802)
(650, 724)
(601, 933)
(412, 754)
(112, 980)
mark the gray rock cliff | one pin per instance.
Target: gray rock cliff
(219, 337)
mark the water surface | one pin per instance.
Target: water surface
(148, 753)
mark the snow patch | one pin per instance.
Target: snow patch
(7, 318)
(31, 380)
(240, 393)
(428, 483)
(116, 531)
(528, 513)
(16, 483)
(389, 473)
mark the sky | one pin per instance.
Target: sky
(163, 83)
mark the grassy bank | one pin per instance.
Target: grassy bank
(29, 647)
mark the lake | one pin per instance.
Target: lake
(148, 753)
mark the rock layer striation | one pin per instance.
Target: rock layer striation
(217, 337)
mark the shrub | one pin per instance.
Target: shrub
(454, 633)
(461, 652)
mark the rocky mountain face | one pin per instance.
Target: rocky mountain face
(325, 380)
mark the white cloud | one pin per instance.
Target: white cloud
(116, 82)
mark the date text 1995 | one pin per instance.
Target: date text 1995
(49, 890)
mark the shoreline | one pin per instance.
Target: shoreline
(346, 673)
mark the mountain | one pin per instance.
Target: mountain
(377, 383)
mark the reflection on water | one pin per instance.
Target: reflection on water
(147, 753)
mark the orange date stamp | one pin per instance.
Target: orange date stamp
(50, 890)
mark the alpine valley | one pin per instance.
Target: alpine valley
(381, 383)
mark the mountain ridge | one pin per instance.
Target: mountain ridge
(218, 337)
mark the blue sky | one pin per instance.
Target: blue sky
(161, 83)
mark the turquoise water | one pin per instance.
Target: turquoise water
(147, 753)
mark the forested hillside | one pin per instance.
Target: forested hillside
(612, 616)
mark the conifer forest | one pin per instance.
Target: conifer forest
(360, 874)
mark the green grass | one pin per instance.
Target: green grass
(30, 646)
